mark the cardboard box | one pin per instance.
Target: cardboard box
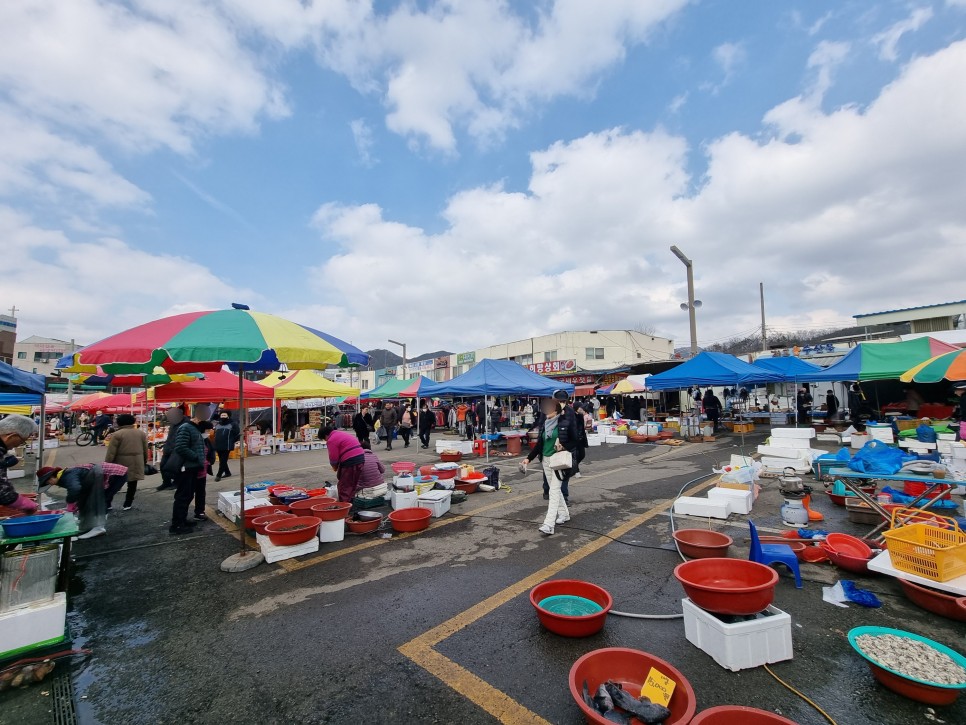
(744, 428)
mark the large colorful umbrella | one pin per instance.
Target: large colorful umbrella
(948, 366)
(879, 360)
(302, 384)
(205, 341)
(109, 404)
(220, 387)
(158, 376)
(82, 401)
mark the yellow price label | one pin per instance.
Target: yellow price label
(658, 687)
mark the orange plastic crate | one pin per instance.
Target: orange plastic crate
(928, 550)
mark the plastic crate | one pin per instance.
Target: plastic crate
(926, 550)
(369, 503)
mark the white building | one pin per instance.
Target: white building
(40, 354)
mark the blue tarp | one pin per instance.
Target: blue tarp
(712, 368)
(13, 380)
(791, 368)
(501, 377)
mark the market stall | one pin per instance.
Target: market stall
(306, 387)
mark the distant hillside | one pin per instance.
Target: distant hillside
(381, 358)
(776, 339)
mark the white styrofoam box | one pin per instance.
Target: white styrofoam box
(593, 440)
(33, 624)
(917, 446)
(615, 439)
(946, 436)
(330, 531)
(265, 451)
(229, 503)
(464, 447)
(793, 432)
(799, 443)
(403, 500)
(782, 452)
(604, 430)
(708, 508)
(859, 440)
(51, 443)
(945, 448)
(436, 501)
(741, 645)
(780, 464)
(739, 502)
(315, 446)
(275, 553)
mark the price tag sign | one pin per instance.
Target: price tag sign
(658, 687)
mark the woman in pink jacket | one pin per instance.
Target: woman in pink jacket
(346, 458)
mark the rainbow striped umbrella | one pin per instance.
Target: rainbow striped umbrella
(197, 342)
(158, 376)
(948, 366)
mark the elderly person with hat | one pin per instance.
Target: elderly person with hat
(15, 430)
(128, 447)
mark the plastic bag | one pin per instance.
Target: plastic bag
(877, 457)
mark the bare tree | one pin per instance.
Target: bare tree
(645, 329)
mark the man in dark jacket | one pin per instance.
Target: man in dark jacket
(226, 436)
(190, 447)
(175, 418)
(427, 421)
(102, 421)
(388, 422)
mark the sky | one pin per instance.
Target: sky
(459, 173)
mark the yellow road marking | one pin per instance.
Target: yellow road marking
(51, 456)
(495, 702)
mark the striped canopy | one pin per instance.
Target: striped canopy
(948, 366)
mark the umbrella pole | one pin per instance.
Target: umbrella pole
(244, 560)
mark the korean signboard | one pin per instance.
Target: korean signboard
(442, 362)
(466, 358)
(553, 366)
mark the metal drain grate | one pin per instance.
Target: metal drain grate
(62, 700)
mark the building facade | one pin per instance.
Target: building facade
(40, 354)
(592, 357)
(8, 338)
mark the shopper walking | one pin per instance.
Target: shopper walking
(226, 436)
(190, 449)
(405, 425)
(128, 447)
(361, 425)
(388, 421)
(554, 436)
(427, 421)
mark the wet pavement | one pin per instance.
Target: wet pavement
(364, 630)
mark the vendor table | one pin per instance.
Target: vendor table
(849, 479)
(65, 529)
(883, 565)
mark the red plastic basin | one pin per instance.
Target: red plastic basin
(261, 522)
(736, 714)
(702, 543)
(628, 667)
(255, 513)
(411, 519)
(330, 510)
(935, 601)
(362, 527)
(569, 626)
(285, 533)
(728, 586)
(304, 507)
(915, 488)
(403, 467)
(446, 473)
(854, 564)
(849, 545)
(467, 486)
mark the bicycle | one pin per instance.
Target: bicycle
(86, 436)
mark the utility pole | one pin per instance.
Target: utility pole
(764, 338)
(692, 303)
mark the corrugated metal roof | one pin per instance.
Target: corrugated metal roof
(909, 309)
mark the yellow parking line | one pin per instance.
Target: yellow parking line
(51, 456)
(496, 703)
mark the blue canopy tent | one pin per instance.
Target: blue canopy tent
(18, 387)
(792, 368)
(500, 377)
(712, 368)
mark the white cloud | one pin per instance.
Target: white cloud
(825, 219)
(87, 290)
(888, 39)
(729, 56)
(478, 65)
(145, 75)
(362, 136)
(677, 103)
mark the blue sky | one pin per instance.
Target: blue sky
(461, 173)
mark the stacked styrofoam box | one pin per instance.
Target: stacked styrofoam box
(739, 501)
(703, 507)
(33, 624)
(789, 448)
(604, 430)
(859, 440)
(464, 447)
(881, 432)
(403, 499)
(229, 504)
(615, 439)
(273, 553)
(741, 645)
(593, 440)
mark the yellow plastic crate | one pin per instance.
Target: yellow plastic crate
(928, 550)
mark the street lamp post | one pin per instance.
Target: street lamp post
(692, 303)
(403, 346)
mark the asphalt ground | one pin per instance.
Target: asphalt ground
(437, 627)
